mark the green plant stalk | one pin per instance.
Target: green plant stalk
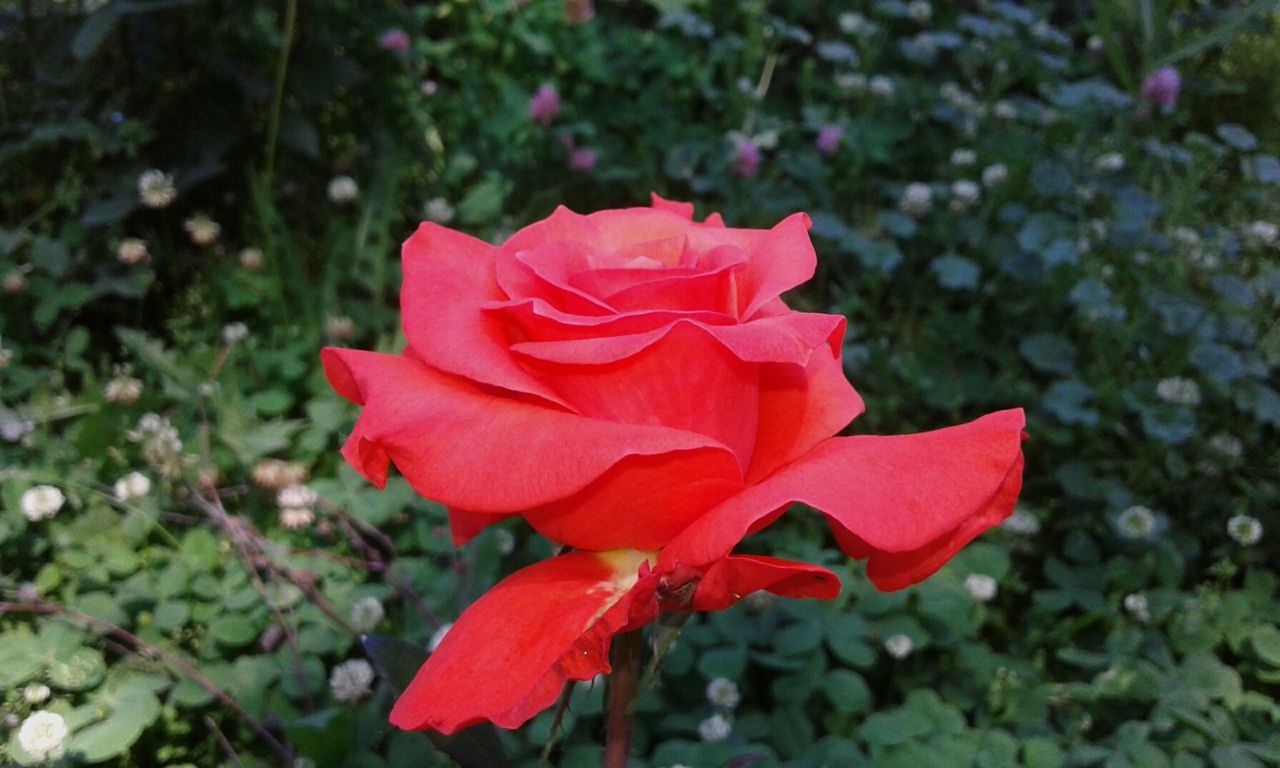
(277, 98)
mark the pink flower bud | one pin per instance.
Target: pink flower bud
(545, 105)
(829, 138)
(1161, 88)
(394, 40)
(583, 159)
(746, 159)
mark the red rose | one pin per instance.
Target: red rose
(630, 380)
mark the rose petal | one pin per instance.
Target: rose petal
(642, 502)
(510, 653)
(447, 276)
(778, 259)
(469, 449)
(680, 377)
(683, 210)
(535, 319)
(732, 578)
(799, 408)
(789, 338)
(908, 502)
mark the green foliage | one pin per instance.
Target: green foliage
(173, 630)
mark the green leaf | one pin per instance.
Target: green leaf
(847, 691)
(233, 630)
(1265, 639)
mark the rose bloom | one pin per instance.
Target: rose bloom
(631, 384)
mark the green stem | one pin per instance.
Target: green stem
(277, 99)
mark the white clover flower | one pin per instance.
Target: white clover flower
(1137, 523)
(251, 258)
(202, 229)
(1005, 110)
(916, 199)
(723, 692)
(134, 485)
(294, 518)
(343, 189)
(438, 636)
(438, 210)
(234, 333)
(303, 762)
(1135, 604)
(350, 681)
(1179, 391)
(43, 735)
(122, 389)
(963, 158)
(853, 23)
(1022, 523)
(367, 613)
(981, 587)
(851, 82)
(1262, 232)
(1109, 162)
(995, 175)
(6, 357)
(339, 327)
(15, 282)
(1185, 236)
(41, 502)
(919, 11)
(429, 88)
(899, 646)
(1095, 43)
(295, 496)
(156, 189)
(277, 474)
(1227, 446)
(14, 428)
(506, 541)
(715, 729)
(132, 250)
(881, 86)
(36, 693)
(1246, 530)
(965, 193)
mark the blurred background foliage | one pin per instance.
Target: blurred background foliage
(200, 194)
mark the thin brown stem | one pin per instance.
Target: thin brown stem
(628, 648)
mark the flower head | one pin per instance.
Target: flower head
(640, 362)
(294, 518)
(916, 199)
(277, 474)
(1246, 530)
(251, 258)
(715, 728)
(579, 11)
(395, 40)
(202, 229)
(746, 158)
(899, 646)
(41, 502)
(829, 138)
(339, 327)
(995, 175)
(134, 485)
(1135, 604)
(156, 189)
(43, 735)
(351, 681)
(439, 210)
(132, 250)
(1179, 391)
(1161, 88)
(1109, 162)
(234, 333)
(367, 613)
(981, 587)
(963, 157)
(35, 693)
(343, 189)
(1022, 523)
(545, 105)
(583, 159)
(1137, 523)
(723, 692)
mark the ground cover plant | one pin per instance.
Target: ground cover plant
(1073, 209)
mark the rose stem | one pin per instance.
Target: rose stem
(625, 658)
